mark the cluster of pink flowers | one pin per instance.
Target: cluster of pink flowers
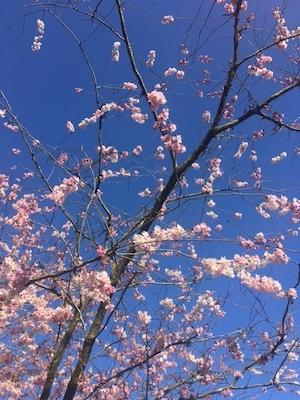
(241, 150)
(147, 242)
(174, 71)
(2, 113)
(145, 193)
(151, 58)
(107, 107)
(246, 243)
(275, 203)
(60, 192)
(61, 314)
(156, 99)
(129, 86)
(115, 53)
(136, 113)
(241, 265)
(279, 158)
(206, 117)
(94, 284)
(138, 116)
(218, 267)
(70, 126)
(230, 6)
(15, 151)
(167, 19)
(37, 41)
(215, 168)
(229, 108)
(62, 159)
(4, 179)
(107, 174)
(259, 68)
(207, 300)
(238, 215)
(206, 188)
(240, 184)
(257, 176)
(258, 134)
(162, 122)
(109, 154)
(11, 127)
(159, 154)
(295, 210)
(174, 143)
(234, 348)
(202, 229)
(177, 277)
(144, 317)
(277, 257)
(282, 30)
(204, 59)
(137, 151)
(262, 284)
(170, 71)
(25, 207)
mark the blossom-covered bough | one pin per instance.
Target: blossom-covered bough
(153, 252)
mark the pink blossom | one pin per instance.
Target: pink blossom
(279, 158)
(95, 285)
(262, 72)
(151, 58)
(37, 41)
(205, 59)
(60, 192)
(15, 151)
(263, 284)
(145, 193)
(215, 168)
(167, 19)
(62, 159)
(11, 127)
(241, 150)
(212, 214)
(240, 184)
(109, 154)
(170, 71)
(180, 74)
(70, 126)
(40, 26)
(292, 294)
(174, 143)
(137, 150)
(4, 179)
(129, 86)
(220, 267)
(282, 31)
(144, 317)
(202, 229)
(159, 153)
(115, 53)
(28, 175)
(138, 116)
(156, 99)
(206, 116)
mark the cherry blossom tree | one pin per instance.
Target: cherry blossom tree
(149, 239)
